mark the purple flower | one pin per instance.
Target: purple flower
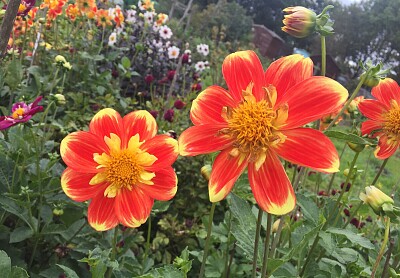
(169, 115)
(20, 113)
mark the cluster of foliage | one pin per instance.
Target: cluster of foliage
(68, 60)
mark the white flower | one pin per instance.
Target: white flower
(165, 32)
(199, 66)
(173, 52)
(203, 49)
(156, 28)
(130, 16)
(148, 17)
(157, 44)
(112, 39)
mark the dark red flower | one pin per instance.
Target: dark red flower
(149, 79)
(154, 113)
(171, 74)
(196, 87)
(179, 104)
(169, 115)
(347, 187)
(185, 58)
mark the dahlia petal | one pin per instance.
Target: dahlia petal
(133, 207)
(164, 148)
(288, 71)
(271, 186)
(164, 185)
(387, 90)
(386, 147)
(78, 148)
(203, 139)
(310, 148)
(101, 214)
(372, 109)
(105, 122)
(368, 126)
(241, 68)
(225, 171)
(139, 122)
(311, 99)
(76, 185)
(207, 107)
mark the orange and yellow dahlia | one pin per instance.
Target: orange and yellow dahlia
(259, 119)
(121, 165)
(383, 115)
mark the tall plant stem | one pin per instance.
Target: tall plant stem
(382, 250)
(323, 56)
(380, 171)
(256, 240)
(226, 269)
(388, 255)
(146, 250)
(266, 246)
(353, 95)
(208, 240)
(113, 252)
(334, 174)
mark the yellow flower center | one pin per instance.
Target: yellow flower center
(123, 168)
(391, 125)
(18, 113)
(254, 125)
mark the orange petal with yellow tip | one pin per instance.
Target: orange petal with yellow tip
(77, 151)
(139, 122)
(387, 90)
(241, 68)
(372, 109)
(288, 71)
(105, 122)
(164, 185)
(101, 214)
(133, 207)
(271, 186)
(311, 99)
(207, 107)
(76, 185)
(203, 139)
(164, 148)
(225, 171)
(310, 148)
(386, 147)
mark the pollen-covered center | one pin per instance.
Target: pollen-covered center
(18, 113)
(123, 170)
(392, 121)
(251, 124)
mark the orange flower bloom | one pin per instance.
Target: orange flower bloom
(85, 5)
(72, 11)
(121, 165)
(257, 121)
(384, 117)
(103, 18)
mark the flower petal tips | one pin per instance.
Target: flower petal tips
(257, 121)
(121, 165)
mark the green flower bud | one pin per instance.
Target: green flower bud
(375, 198)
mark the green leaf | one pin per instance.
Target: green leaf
(126, 63)
(348, 137)
(69, 272)
(20, 234)
(18, 272)
(160, 206)
(352, 237)
(10, 206)
(14, 74)
(308, 208)
(7, 168)
(167, 271)
(5, 264)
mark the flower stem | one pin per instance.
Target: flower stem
(208, 240)
(380, 171)
(355, 92)
(113, 252)
(382, 250)
(227, 246)
(266, 246)
(323, 56)
(146, 250)
(256, 240)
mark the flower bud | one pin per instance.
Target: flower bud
(67, 65)
(375, 198)
(356, 147)
(275, 226)
(60, 59)
(206, 172)
(299, 21)
(60, 99)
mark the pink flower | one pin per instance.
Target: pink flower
(20, 113)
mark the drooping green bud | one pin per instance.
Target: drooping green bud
(375, 198)
(373, 74)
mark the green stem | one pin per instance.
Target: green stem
(382, 250)
(227, 246)
(323, 56)
(208, 240)
(146, 251)
(266, 246)
(355, 92)
(113, 252)
(334, 174)
(380, 171)
(256, 240)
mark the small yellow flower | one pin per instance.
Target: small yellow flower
(60, 59)
(375, 198)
